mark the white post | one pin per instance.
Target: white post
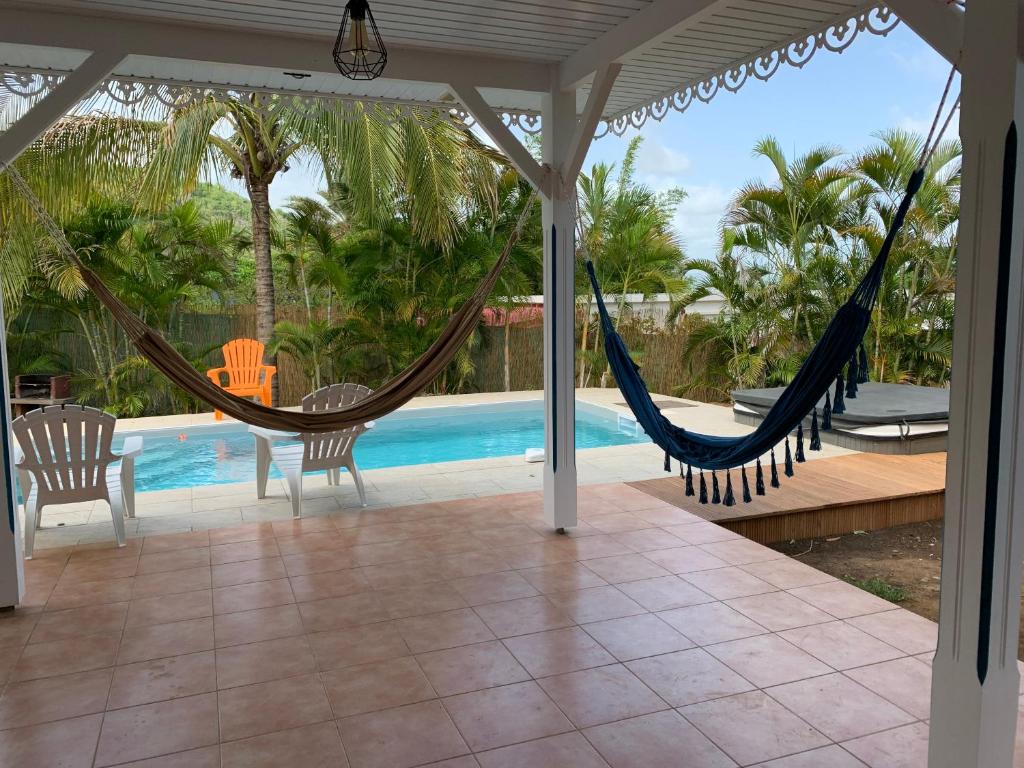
(559, 124)
(12, 570)
(975, 680)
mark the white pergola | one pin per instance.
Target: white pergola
(571, 69)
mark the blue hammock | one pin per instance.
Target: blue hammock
(837, 347)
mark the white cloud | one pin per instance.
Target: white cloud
(658, 161)
(698, 219)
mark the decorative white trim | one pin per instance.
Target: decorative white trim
(837, 37)
(147, 93)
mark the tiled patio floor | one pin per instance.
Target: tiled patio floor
(461, 634)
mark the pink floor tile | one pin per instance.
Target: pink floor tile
(752, 727)
(443, 630)
(170, 726)
(401, 737)
(767, 660)
(524, 616)
(826, 757)
(419, 600)
(787, 573)
(562, 577)
(595, 604)
(174, 677)
(634, 637)
(558, 651)
(376, 686)
(909, 632)
(493, 588)
(842, 600)
(656, 741)
(904, 747)
(778, 610)
(685, 559)
(471, 667)
(567, 749)
(496, 717)
(840, 645)
(54, 698)
(65, 743)
(357, 645)
(254, 626)
(710, 623)
(839, 707)
(728, 583)
(311, 746)
(601, 695)
(273, 706)
(688, 677)
(905, 682)
(264, 661)
(230, 574)
(664, 593)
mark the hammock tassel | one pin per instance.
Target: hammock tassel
(759, 477)
(689, 480)
(862, 369)
(826, 413)
(730, 497)
(800, 458)
(716, 496)
(703, 498)
(775, 472)
(668, 462)
(789, 459)
(815, 435)
(851, 378)
(746, 486)
(838, 406)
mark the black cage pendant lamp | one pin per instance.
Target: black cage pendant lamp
(359, 52)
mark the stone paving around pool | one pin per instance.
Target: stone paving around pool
(460, 634)
(218, 506)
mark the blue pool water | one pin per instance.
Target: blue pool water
(227, 453)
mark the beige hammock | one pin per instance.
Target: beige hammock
(393, 394)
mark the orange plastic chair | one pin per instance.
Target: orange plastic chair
(247, 375)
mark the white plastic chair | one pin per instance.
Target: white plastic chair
(64, 457)
(328, 451)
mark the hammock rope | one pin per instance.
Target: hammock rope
(838, 347)
(165, 358)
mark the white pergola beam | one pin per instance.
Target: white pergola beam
(500, 134)
(937, 22)
(583, 136)
(164, 39)
(72, 89)
(658, 21)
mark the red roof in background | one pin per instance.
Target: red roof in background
(530, 314)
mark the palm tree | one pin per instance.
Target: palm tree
(629, 237)
(805, 213)
(382, 158)
(912, 322)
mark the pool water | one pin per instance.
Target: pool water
(208, 455)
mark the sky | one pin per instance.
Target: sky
(837, 99)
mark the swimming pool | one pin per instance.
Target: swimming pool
(226, 453)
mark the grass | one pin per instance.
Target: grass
(879, 588)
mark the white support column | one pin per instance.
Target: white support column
(559, 125)
(975, 683)
(12, 569)
(72, 89)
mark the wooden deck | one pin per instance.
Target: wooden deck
(826, 497)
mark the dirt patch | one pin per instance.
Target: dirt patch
(908, 557)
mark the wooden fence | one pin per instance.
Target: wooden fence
(658, 350)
